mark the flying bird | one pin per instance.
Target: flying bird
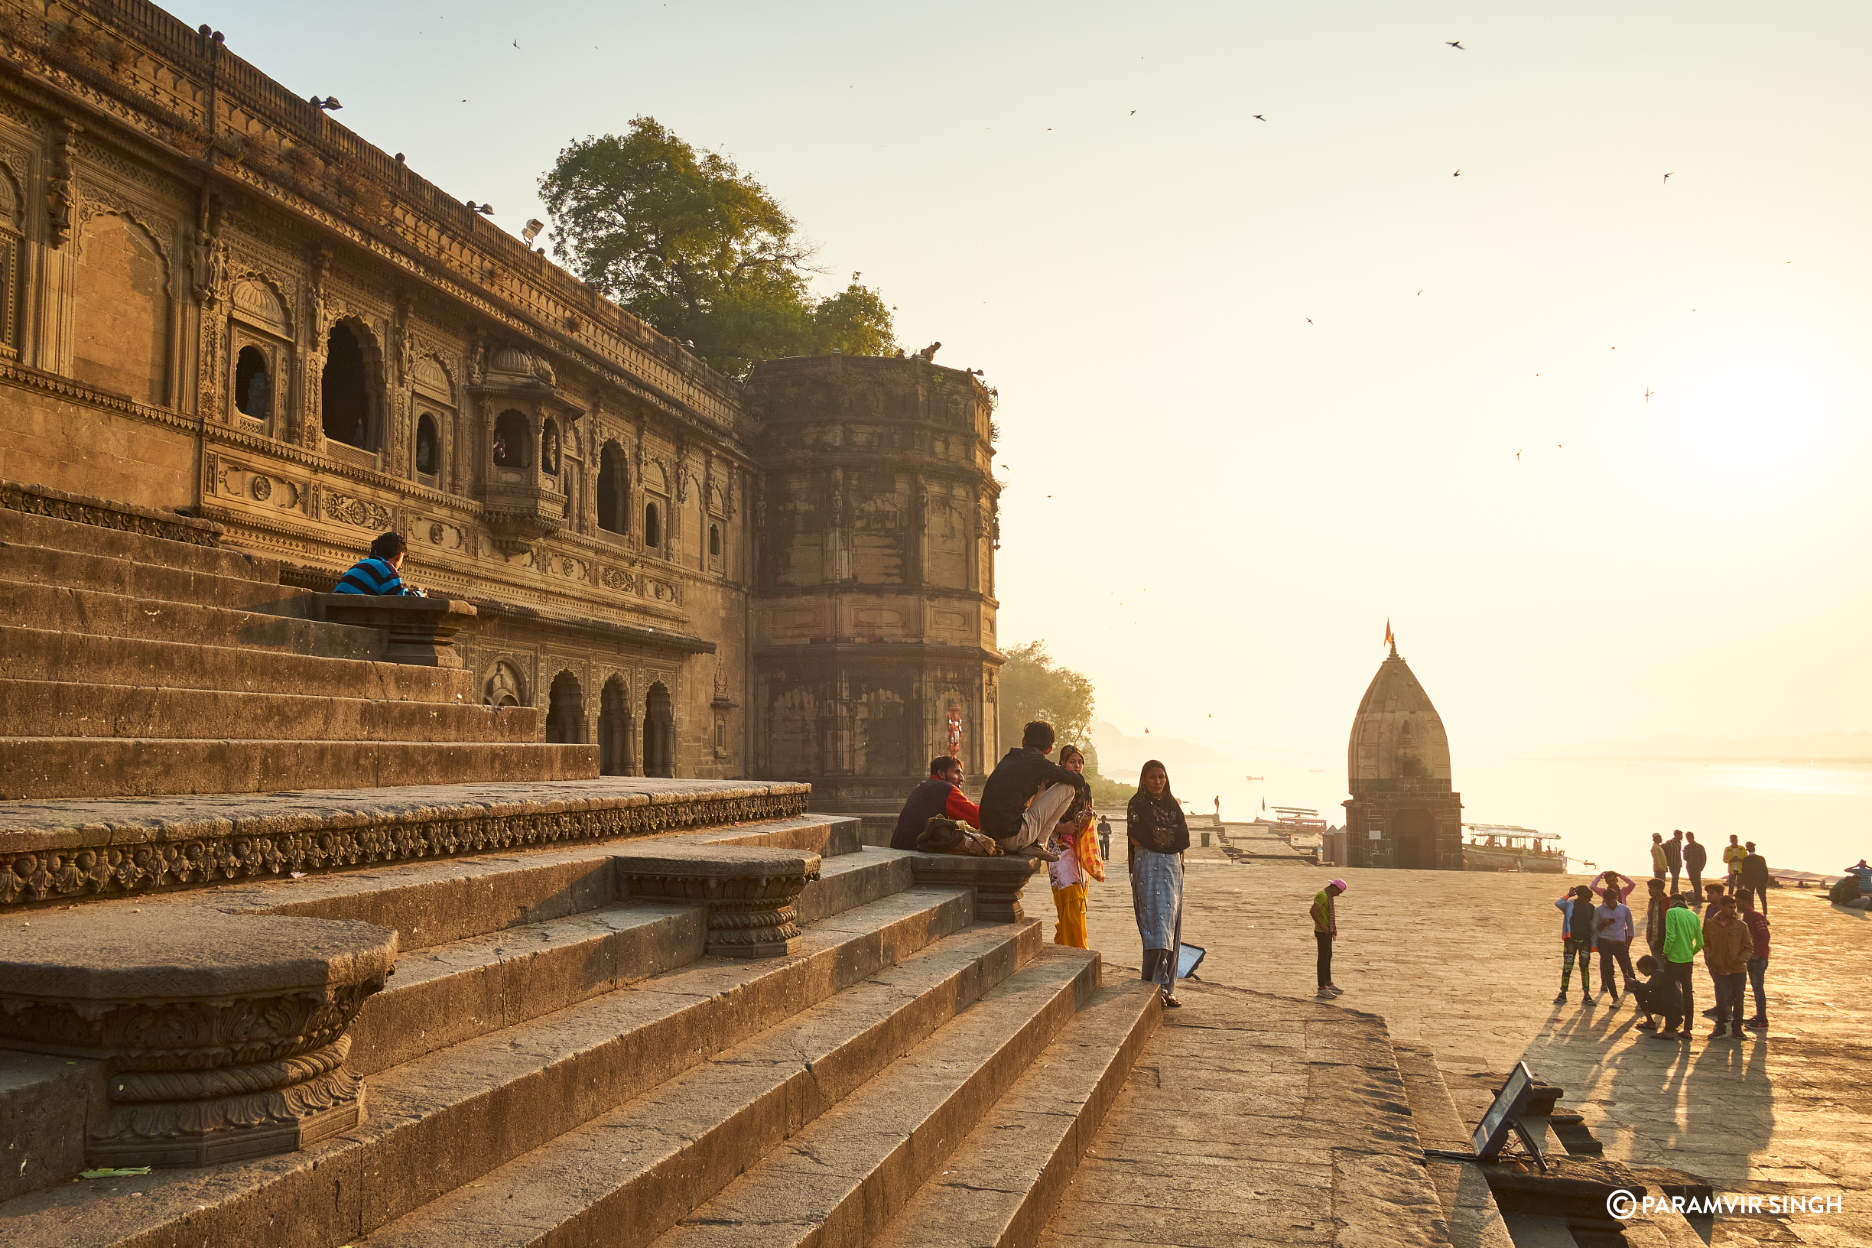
(1133, 112)
(1667, 177)
(516, 43)
(1517, 457)
(1259, 117)
(1648, 392)
(1309, 320)
(1455, 43)
(1420, 292)
(1457, 174)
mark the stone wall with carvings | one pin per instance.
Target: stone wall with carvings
(224, 303)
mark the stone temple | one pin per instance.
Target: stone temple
(540, 911)
(1402, 812)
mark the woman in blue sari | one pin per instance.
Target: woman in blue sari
(1158, 835)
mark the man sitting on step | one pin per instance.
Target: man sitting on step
(379, 572)
(1014, 809)
(941, 794)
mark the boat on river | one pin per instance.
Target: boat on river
(1506, 847)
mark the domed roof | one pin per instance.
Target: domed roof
(1397, 734)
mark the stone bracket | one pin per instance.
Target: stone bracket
(997, 882)
(221, 1036)
(421, 630)
(751, 894)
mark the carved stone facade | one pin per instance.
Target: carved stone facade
(874, 608)
(1402, 812)
(220, 302)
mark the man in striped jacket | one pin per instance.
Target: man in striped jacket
(379, 572)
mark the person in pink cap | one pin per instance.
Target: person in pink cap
(1325, 931)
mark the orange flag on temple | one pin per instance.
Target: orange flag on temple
(1388, 639)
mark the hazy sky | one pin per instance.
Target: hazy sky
(1213, 505)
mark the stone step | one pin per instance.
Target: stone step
(1000, 1186)
(1475, 1221)
(85, 658)
(643, 1166)
(45, 708)
(849, 1171)
(151, 582)
(450, 993)
(18, 528)
(77, 609)
(84, 767)
(446, 1119)
(438, 902)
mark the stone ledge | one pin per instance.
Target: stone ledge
(221, 1037)
(43, 500)
(421, 630)
(57, 851)
(997, 882)
(751, 894)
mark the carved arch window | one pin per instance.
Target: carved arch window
(12, 262)
(433, 402)
(351, 387)
(656, 508)
(614, 499)
(513, 437)
(260, 352)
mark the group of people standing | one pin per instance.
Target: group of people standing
(1732, 935)
(1035, 807)
(1683, 855)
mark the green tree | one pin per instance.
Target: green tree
(700, 250)
(1033, 686)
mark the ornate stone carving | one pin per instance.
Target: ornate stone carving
(366, 513)
(61, 194)
(190, 860)
(751, 893)
(222, 1036)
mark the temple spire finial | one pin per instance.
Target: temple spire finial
(1389, 639)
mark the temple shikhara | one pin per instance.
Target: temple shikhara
(1402, 812)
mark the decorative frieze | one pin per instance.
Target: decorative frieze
(113, 865)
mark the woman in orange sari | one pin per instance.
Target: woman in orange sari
(1076, 860)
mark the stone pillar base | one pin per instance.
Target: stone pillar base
(997, 882)
(420, 631)
(199, 1118)
(751, 894)
(221, 1036)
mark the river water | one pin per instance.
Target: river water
(1811, 816)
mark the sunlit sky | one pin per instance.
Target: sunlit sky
(1213, 504)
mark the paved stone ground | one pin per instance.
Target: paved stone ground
(1467, 964)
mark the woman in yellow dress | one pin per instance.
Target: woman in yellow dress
(1076, 860)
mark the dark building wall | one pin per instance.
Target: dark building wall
(873, 606)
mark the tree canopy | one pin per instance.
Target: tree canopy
(1033, 686)
(701, 251)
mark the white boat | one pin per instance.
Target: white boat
(1506, 847)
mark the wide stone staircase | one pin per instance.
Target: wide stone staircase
(558, 1061)
(138, 662)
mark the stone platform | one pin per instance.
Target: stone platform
(1466, 964)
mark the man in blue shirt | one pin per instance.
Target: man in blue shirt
(379, 573)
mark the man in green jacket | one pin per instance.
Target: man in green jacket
(1683, 940)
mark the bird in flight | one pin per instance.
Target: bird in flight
(1455, 43)
(1667, 177)
(1309, 320)
(1648, 392)
(1420, 292)
(1259, 117)
(1517, 457)
(516, 43)
(1457, 174)
(1134, 112)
